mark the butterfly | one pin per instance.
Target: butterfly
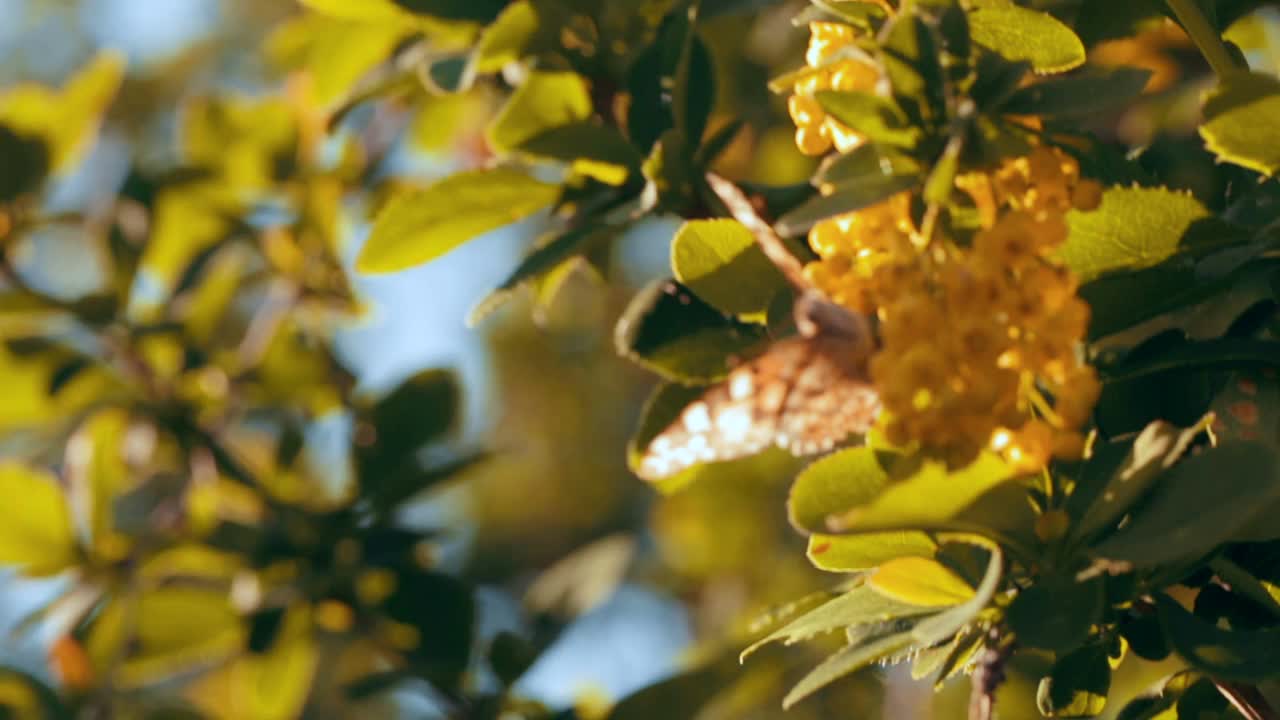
(805, 393)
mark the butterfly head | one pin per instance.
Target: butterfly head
(815, 316)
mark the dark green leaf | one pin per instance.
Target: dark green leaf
(1079, 95)
(670, 331)
(1197, 505)
(865, 161)
(1250, 656)
(545, 257)
(592, 149)
(672, 84)
(1077, 686)
(478, 10)
(1056, 613)
(418, 411)
(848, 196)
(441, 609)
(877, 119)
(912, 60)
(26, 163)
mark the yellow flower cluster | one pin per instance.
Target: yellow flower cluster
(978, 341)
(817, 132)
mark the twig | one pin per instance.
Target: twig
(988, 676)
(766, 237)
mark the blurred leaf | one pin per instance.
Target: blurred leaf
(39, 540)
(856, 553)
(1077, 686)
(421, 226)
(66, 119)
(1088, 92)
(1245, 656)
(865, 161)
(336, 54)
(672, 85)
(721, 263)
(550, 253)
(416, 412)
(97, 473)
(24, 697)
(847, 196)
(1197, 505)
(544, 101)
(477, 10)
(250, 142)
(442, 611)
(591, 149)
(505, 40)
(1137, 228)
(869, 647)
(510, 656)
(272, 684)
(834, 484)
(929, 499)
(1156, 449)
(858, 606)
(673, 333)
(912, 61)
(876, 118)
(26, 163)
(689, 691)
(1238, 125)
(582, 580)
(1056, 613)
(919, 581)
(1018, 33)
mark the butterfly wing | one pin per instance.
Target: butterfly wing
(804, 394)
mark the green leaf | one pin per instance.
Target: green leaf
(721, 263)
(1056, 613)
(866, 160)
(591, 149)
(505, 40)
(877, 119)
(848, 196)
(920, 581)
(1220, 354)
(930, 499)
(1133, 229)
(834, 484)
(912, 61)
(1197, 505)
(1239, 121)
(1250, 656)
(1077, 686)
(544, 101)
(1018, 33)
(672, 84)
(24, 696)
(859, 606)
(423, 225)
(550, 253)
(869, 646)
(1087, 93)
(856, 553)
(1156, 449)
(476, 10)
(39, 540)
(26, 163)
(670, 331)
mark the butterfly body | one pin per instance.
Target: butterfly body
(805, 394)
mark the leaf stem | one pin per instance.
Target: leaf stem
(1204, 36)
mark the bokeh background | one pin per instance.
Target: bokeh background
(545, 391)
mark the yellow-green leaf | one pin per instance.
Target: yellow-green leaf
(1240, 121)
(68, 118)
(39, 538)
(1018, 33)
(920, 581)
(1133, 228)
(421, 226)
(721, 263)
(546, 100)
(856, 553)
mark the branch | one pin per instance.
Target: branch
(766, 237)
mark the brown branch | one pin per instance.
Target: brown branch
(766, 237)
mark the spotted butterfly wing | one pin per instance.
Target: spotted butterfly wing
(804, 394)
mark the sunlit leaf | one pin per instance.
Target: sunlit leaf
(39, 540)
(68, 118)
(721, 263)
(545, 100)
(1019, 33)
(1238, 125)
(919, 581)
(420, 226)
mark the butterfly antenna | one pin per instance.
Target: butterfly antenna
(766, 237)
